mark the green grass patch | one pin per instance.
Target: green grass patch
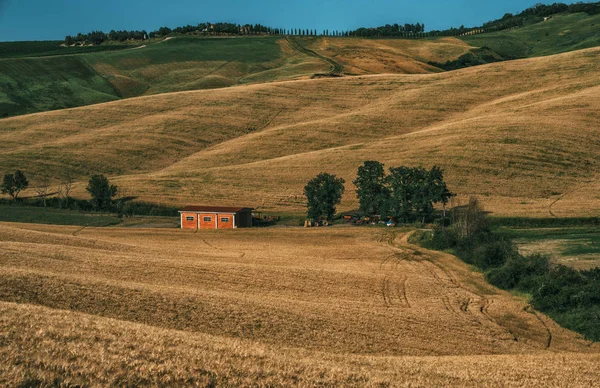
(32, 82)
(188, 63)
(50, 47)
(570, 241)
(40, 215)
(549, 222)
(39, 84)
(559, 34)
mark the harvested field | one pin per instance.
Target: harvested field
(522, 135)
(346, 306)
(381, 56)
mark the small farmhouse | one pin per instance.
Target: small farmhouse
(215, 217)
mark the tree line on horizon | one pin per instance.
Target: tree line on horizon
(531, 15)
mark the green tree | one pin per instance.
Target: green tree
(401, 183)
(430, 189)
(101, 191)
(13, 184)
(370, 185)
(323, 193)
(414, 191)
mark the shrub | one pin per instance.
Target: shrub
(102, 192)
(582, 320)
(562, 289)
(493, 255)
(522, 273)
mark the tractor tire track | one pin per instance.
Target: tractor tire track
(75, 233)
(240, 253)
(393, 283)
(531, 309)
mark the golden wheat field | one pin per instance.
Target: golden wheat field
(344, 306)
(522, 135)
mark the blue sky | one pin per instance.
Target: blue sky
(53, 19)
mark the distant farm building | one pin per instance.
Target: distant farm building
(215, 217)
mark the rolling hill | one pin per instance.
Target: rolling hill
(521, 134)
(560, 33)
(247, 122)
(41, 76)
(184, 63)
(193, 63)
(341, 306)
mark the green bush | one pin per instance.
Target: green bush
(442, 238)
(493, 255)
(522, 273)
(566, 288)
(582, 320)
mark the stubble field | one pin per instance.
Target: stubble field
(265, 306)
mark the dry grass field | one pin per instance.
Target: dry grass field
(343, 305)
(523, 135)
(381, 56)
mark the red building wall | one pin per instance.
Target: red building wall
(225, 221)
(207, 220)
(189, 221)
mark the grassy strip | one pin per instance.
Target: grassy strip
(537, 234)
(40, 215)
(49, 48)
(522, 222)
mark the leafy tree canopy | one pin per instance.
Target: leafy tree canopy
(13, 184)
(101, 191)
(323, 193)
(370, 187)
(406, 194)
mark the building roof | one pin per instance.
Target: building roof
(215, 209)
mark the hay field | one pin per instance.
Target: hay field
(382, 56)
(522, 135)
(346, 306)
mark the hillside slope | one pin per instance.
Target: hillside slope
(107, 73)
(395, 56)
(45, 83)
(522, 135)
(184, 63)
(346, 306)
(38, 84)
(559, 34)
